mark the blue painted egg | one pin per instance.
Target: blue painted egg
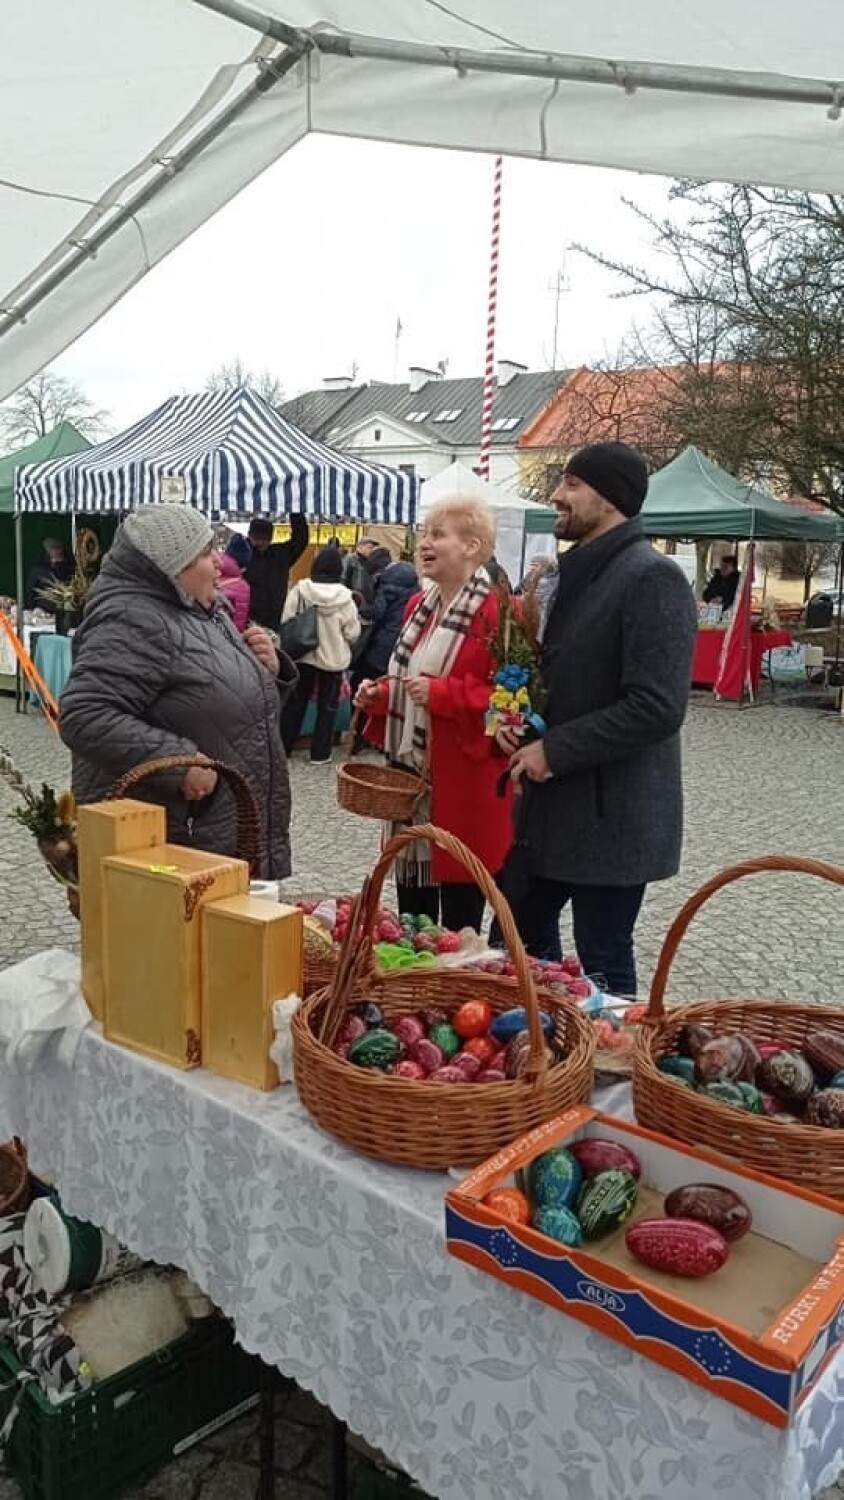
(837, 1081)
(555, 1178)
(559, 1224)
(511, 1022)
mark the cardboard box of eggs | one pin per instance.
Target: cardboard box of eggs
(729, 1278)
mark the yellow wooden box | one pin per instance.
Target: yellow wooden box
(251, 956)
(105, 828)
(152, 949)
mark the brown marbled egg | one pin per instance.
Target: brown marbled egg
(752, 1059)
(721, 1060)
(826, 1107)
(692, 1037)
(787, 1075)
(712, 1204)
(824, 1051)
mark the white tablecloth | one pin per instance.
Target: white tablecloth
(8, 660)
(335, 1269)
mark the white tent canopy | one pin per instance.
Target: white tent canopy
(514, 550)
(123, 126)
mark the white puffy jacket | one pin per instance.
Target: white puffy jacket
(338, 624)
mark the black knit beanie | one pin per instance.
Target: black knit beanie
(327, 566)
(616, 471)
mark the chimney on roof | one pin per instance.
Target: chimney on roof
(419, 376)
(507, 368)
(337, 382)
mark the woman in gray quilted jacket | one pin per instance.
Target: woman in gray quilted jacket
(159, 670)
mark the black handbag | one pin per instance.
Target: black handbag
(300, 634)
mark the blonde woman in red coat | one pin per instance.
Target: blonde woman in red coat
(431, 709)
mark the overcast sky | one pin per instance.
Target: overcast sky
(308, 270)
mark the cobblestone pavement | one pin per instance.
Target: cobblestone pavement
(761, 781)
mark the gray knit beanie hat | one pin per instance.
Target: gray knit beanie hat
(171, 536)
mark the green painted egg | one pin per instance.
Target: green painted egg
(606, 1202)
(554, 1178)
(675, 1066)
(559, 1224)
(726, 1093)
(446, 1039)
(376, 1049)
(752, 1098)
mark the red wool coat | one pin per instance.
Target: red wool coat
(465, 762)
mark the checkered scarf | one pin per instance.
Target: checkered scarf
(434, 648)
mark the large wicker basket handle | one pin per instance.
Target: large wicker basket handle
(792, 863)
(356, 950)
(249, 842)
(359, 717)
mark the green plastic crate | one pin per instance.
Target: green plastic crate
(117, 1434)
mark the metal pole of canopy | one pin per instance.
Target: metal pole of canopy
(563, 67)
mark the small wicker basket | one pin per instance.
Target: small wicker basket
(387, 793)
(807, 1155)
(423, 1124)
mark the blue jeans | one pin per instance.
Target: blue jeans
(603, 917)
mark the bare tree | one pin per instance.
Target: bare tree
(44, 403)
(750, 313)
(233, 375)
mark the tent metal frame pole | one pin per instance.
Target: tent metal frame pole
(556, 67)
(272, 71)
(20, 698)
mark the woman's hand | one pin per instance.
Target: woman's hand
(368, 695)
(198, 783)
(260, 644)
(508, 740)
(419, 690)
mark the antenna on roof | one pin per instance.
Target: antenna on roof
(558, 286)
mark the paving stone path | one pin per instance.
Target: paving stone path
(764, 780)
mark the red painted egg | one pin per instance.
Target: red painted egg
(473, 1018)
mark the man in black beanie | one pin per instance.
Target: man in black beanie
(601, 811)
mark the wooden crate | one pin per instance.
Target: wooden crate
(103, 829)
(251, 956)
(151, 946)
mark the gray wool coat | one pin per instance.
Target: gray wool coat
(617, 654)
(156, 674)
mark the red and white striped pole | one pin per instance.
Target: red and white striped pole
(492, 305)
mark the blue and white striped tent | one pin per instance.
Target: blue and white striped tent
(235, 454)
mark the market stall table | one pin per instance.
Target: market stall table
(707, 655)
(53, 661)
(334, 1268)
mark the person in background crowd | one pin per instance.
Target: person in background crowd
(52, 567)
(498, 576)
(379, 559)
(233, 585)
(429, 715)
(723, 585)
(601, 806)
(338, 627)
(539, 567)
(159, 670)
(356, 576)
(269, 567)
(396, 586)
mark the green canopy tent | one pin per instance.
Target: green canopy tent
(62, 441)
(692, 497)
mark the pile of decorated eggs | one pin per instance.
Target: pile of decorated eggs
(472, 1045)
(771, 1078)
(583, 1192)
